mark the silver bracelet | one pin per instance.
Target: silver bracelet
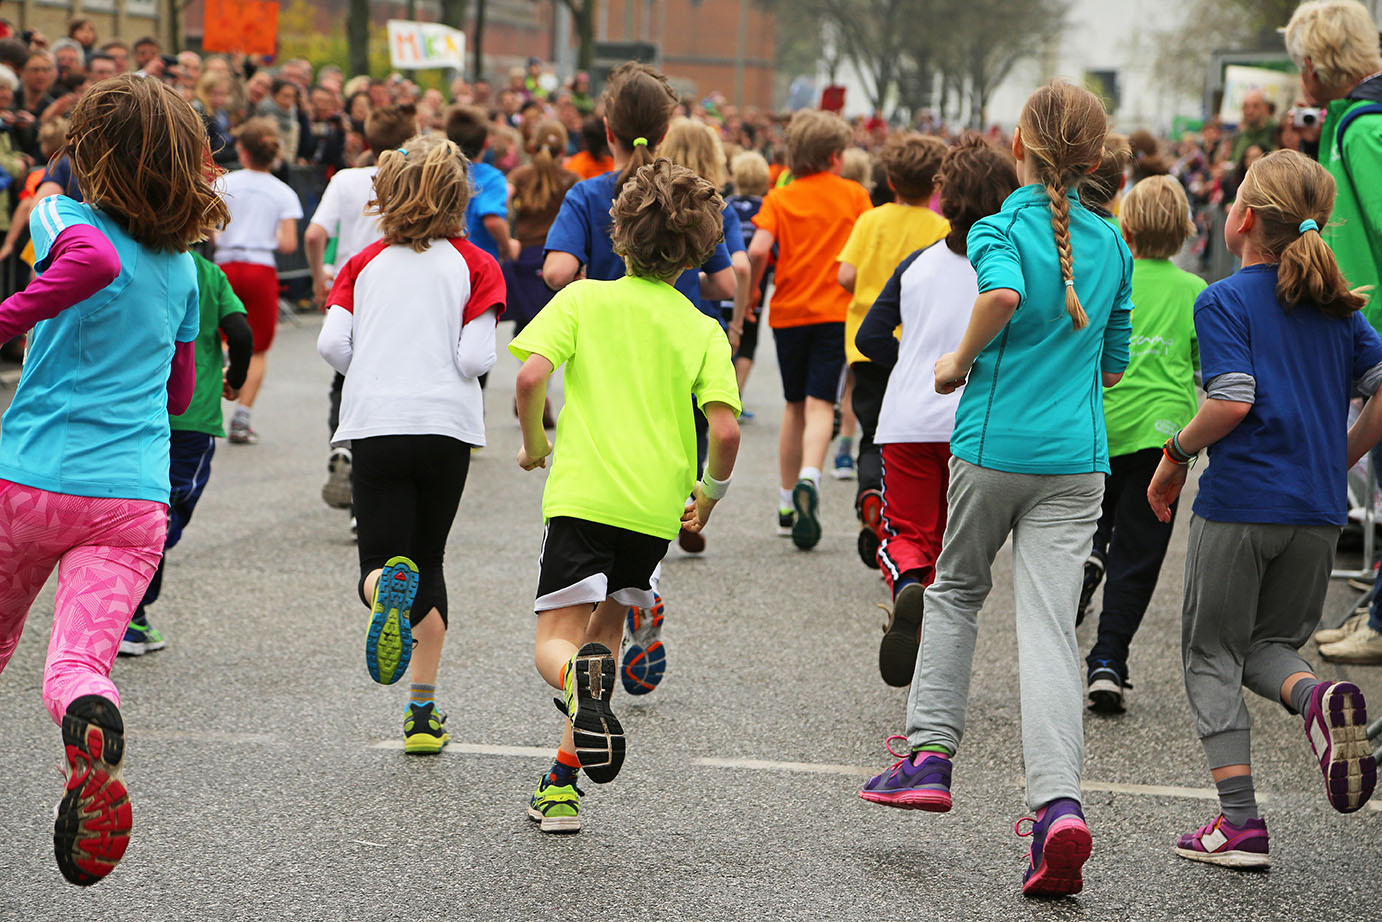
(714, 489)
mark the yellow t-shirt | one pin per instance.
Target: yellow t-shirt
(635, 350)
(881, 239)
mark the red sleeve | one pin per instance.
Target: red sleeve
(343, 289)
(487, 288)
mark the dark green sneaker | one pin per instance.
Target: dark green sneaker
(424, 730)
(556, 807)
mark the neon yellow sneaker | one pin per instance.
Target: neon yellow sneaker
(424, 730)
(598, 735)
(389, 644)
(556, 807)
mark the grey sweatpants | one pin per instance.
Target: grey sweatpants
(1051, 518)
(1253, 595)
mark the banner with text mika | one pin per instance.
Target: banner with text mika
(421, 45)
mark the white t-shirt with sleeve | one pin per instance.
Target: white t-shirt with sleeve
(258, 203)
(342, 212)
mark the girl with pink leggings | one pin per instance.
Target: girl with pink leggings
(84, 445)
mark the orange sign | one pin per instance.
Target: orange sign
(248, 26)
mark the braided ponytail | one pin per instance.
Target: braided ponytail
(1060, 227)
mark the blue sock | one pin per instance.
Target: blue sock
(907, 579)
(562, 775)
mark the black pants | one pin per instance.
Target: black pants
(870, 381)
(333, 413)
(407, 489)
(1133, 544)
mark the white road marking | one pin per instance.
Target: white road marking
(371, 844)
(475, 749)
(764, 765)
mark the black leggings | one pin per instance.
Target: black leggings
(407, 489)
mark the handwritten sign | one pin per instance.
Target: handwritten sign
(246, 26)
(420, 45)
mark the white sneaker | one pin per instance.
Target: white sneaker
(1336, 634)
(336, 491)
(1361, 648)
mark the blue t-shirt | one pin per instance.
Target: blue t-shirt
(90, 417)
(734, 243)
(489, 195)
(582, 229)
(1034, 403)
(1285, 462)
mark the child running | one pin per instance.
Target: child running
(1156, 397)
(809, 220)
(84, 451)
(193, 438)
(929, 295)
(635, 350)
(1283, 347)
(412, 406)
(749, 174)
(1030, 455)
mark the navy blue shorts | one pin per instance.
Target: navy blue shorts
(811, 358)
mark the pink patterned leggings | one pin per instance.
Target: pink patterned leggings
(105, 551)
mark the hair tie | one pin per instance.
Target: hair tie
(402, 151)
(640, 142)
(1069, 283)
(1309, 225)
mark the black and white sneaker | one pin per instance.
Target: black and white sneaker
(336, 490)
(1093, 576)
(1107, 688)
(786, 518)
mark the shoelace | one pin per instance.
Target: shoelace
(889, 610)
(900, 756)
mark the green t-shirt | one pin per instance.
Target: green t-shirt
(218, 302)
(1157, 394)
(635, 352)
(1354, 231)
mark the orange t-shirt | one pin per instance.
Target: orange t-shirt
(810, 218)
(588, 167)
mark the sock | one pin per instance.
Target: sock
(812, 474)
(1236, 800)
(784, 499)
(241, 414)
(419, 694)
(907, 579)
(934, 749)
(846, 444)
(1300, 694)
(565, 769)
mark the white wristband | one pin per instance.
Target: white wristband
(715, 489)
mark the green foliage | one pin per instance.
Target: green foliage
(1216, 25)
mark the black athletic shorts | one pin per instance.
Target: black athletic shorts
(584, 562)
(810, 359)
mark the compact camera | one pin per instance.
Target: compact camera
(1306, 118)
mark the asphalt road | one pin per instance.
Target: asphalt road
(266, 781)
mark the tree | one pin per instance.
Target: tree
(357, 35)
(1213, 25)
(583, 19)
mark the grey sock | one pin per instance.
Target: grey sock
(1236, 799)
(1300, 694)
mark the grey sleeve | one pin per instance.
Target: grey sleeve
(1234, 385)
(1367, 385)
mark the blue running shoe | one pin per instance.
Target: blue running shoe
(389, 644)
(645, 657)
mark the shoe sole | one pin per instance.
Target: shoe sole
(692, 542)
(1106, 697)
(1339, 739)
(336, 492)
(556, 824)
(1087, 597)
(929, 801)
(1068, 846)
(897, 653)
(389, 643)
(645, 658)
(868, 548)
(426, 744)
(597, 733)
(869, 508)
(132, 648)
(1247, 861)
(806, 530)
(92, 828)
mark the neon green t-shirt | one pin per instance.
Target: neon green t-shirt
(635, 352)
(1157, 394)
(218, 301)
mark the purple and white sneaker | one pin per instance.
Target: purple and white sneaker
(1222, 843)
(1061, 844)
(915, 782)
(1336, 724)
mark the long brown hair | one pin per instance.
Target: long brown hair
(638, 105)
(140, 153)
(535, 188)
(421, 191)
(1285, 189)
(1062, 129)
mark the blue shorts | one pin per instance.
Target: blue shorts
(810, 358)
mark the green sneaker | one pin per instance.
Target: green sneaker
(424, 730)
(389, 643)
(556, 807)
(598, 735)
(140, 639)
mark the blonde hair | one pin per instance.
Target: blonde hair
(1062, 128)
(666, 220)
(205, 84)
(52, 136)
(697, 147)
(1338, 36)
(1101, 187)
(911, 161)
(857, 164)
(813, 138)
(1283, 190)
(421, 191)
(1155, 217)
(750, 172)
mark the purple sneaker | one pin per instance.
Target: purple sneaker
(1336, 724)
(1222, 843)
(1061, 844)
(915, 782)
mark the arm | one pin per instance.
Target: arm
(875, 337)
(723, 434)
(287, 235)
(80, 263)
(760, 250)
(314, 244)
(992, 311)
(720, 285)
(559, 269)
(1366, 430)
(743, 277)
(182, 378)
(240, 345)
(1216, 419)
(18, 223)
(475, 353)
(335, 341)
(847, 277)
(498, 227)
(531, 392)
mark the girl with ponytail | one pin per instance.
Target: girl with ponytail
(539, 188)
(1283, 347)
(1048, 331)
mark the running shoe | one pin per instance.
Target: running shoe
(389, 643)
(1336, 724)
(1093, 576)
(555, 807)
(92, 829)
(844, 467)
(585, 698)
(1061, 844)
(1222, 843)
(424, 730)
(1335, 634)
(868, 548)
(897, 654)
(140, 639)
(747, 416)
(1107, 687)
(869, 507)
(692, 542)
(241, 434)
(916, 781)
(1361, 648)
(336, 490)
(645, 658)
(786, 519)
(806, 503)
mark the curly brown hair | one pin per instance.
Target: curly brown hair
(421, 191)
(975, 178)
(666, 220)
(814, 137)
(911, 161)
(140, 153)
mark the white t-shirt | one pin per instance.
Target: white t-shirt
(258, 203)
(342, 212)
(412, 333)
(935, 291)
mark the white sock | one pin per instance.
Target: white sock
(784, 499)
(812, 474)
(242, 412)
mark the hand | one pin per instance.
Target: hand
(697, 511)
(6, 251)
(321, 290)
(514, 249)
(950, 374)
(736, 336)
(24, 117)
(228, 392)
(528, 462)
(1165, 487)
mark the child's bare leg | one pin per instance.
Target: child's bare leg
(606, 626)
(430, 634)
(819, 420)
(254, 378)
(847, 417)
(789, 443)
(560, 633)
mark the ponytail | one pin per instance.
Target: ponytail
(643, 154)
(535, 187)
(638, 105)
(1060, 227)
(1309, 274)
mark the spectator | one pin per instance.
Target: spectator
(189, 74)
(14, 162)
(358, 109)
(1256, 126)
(212, 102)
(281, 106)
(593, 159)
(146, 51)
(257, 88)
(13, 54)
(101, 66)
(324, 142)
(83, 33)
(120, 54)
(70, 57)
(36, 82)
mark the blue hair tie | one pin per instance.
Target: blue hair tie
(1309, 225)
(402, 151)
